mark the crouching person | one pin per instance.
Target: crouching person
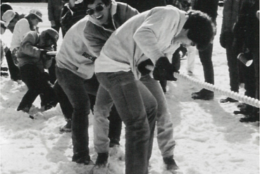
(33, 59)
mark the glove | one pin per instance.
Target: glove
(142, 67)
(164, 70)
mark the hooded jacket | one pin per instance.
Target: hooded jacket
(147, 35)
(79, 47)
(28, 52)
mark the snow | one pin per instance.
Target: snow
(209, 137)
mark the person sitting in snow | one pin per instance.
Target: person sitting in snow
(32, 60)
(133, 49)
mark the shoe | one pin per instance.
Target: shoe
(170, 163)
(4, 69)
(102, 159)
(82, 159)
(66, 127)
(4, 74)
(250, 118)
(203, 94)
(25, 109)
(228, 99)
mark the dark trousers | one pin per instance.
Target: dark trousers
(232, 52)
(75, 95)
(206, 60)
(52, 73)
(37, 83)
(14, 70)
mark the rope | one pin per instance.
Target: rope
(231, 94)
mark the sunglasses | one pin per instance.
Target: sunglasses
(98, 8)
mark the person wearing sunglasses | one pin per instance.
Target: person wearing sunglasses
(75, 70)
(140, 44)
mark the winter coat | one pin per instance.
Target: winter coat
(210, 7)
(230, 14)
(22, 27)
(97, 35)
(29, 53)
(146, 35)
(54, 10)
(246, 29)
(76, 52)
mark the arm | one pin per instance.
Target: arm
(28, 47)
(157, 25)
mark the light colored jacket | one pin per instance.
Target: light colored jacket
(79, 47)
(22, 27)
(97, 35)
(147, 35)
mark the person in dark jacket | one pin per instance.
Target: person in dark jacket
(246, 30)
(210, 7)
(33, 59)
(54, 13)
(230, 15)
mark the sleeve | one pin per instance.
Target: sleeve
(24, 29)
(156, 24)
(27, 46)
(95, 44)
(227, 13)
(50, 10)
(130, 12)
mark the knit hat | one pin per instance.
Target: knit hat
(5, 7)
(36, 13)
(8, 17)
(53, 34)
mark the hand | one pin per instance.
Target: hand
(164, 70)
(224, 36)
(145, 67)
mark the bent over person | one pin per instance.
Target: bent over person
(75, 72)
(142, 42)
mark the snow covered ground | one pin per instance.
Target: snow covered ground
(209, 137)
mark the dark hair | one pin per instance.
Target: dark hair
(201, 28)
(5, 7)
(87, 2)
(29, 18)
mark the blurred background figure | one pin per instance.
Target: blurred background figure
(230, 15)
(54, 13)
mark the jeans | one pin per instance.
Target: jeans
(75, 96)
(37, 83)
(137, 108)
(13, 69)
(164, 124)
(77, 90)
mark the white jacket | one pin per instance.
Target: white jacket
(22, 27)
(74, 54)
(146, 35)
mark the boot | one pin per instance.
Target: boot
(203, 94)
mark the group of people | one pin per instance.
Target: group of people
(114, 60)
